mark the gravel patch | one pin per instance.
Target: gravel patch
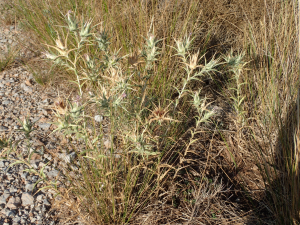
(20, 97)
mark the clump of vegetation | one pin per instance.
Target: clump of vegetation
(175, 120)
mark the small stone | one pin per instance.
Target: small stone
(6, 102)
(28, 83)
(4, 196)
(98, 118)
(3, 128)
(8, 212)
(13, 189)
(24, 175)
(2, 164)
(16, 219)
(107, 144)
(27, 199)
(46, 202)
(39, 198)
(52, 174)
(29, 187)
(13, 202)
(44, 126)
(46, 101)
(26, 88)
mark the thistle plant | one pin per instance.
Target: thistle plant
(150, 50)
(6, 145)
(191, 66)
(183, 47)
(27, 126)
(69, 58)
(236, 65)
(102, 40)
(123, 100)
(203, 113)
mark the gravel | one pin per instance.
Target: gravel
(22, 201)
(20, 97)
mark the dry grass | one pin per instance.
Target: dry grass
(172, 167)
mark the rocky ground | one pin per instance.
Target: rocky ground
(20, 97)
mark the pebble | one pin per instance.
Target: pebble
(27, 199)
(52, 174)
(7, 212)
(46, 202)
(98, 118)
(3, 128)
(26, 88)
(5, 102)
(13, 202)
(45, 126)
(29, 187)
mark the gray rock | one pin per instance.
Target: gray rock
(46, 202)
(36, 119)
(27, 199)
(24, 175)
(39, 198)
(98, 118)
(17, 219)
(8, 212)
(13, 202)
(4, 196)
(52, 174)
(13, 189)
(2, 164)
(3, 128)
(29, 187)
(26, 88)
(23, 221)
(44, 126)
(46, 101)
(6, 102)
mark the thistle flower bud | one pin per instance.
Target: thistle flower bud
(197, 100)
(27, 125)
(151, 39)
(102, 41)
(87, 57)
(72, 23)
(59, 44)
(180, 48)
(193, 61)
(50, 55)
(85, 30)
(90, 62)
(183, 46)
